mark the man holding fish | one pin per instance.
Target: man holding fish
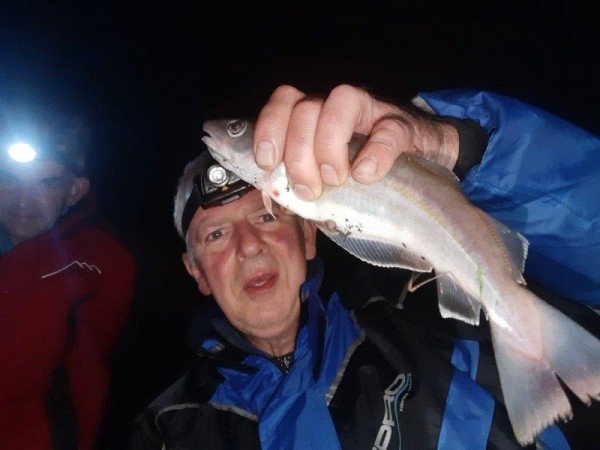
(288, 366)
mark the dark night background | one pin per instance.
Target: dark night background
(145, 77)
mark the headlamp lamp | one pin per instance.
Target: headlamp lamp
(213, 186)
(23, 152)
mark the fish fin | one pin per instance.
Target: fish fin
(438, 169)
(412, 287)
(266, 198)
(533, 395)
(454, 303)
(573, 352)
(378, 253)
(516, 244)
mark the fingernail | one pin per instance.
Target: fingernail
(366, 168)
(303, 192)
(329, 175)
(265, 154)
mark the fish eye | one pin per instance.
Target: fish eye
(236, 127)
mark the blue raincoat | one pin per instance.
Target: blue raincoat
(540, 175)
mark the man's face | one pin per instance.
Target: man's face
(252, 264)
(34, 195)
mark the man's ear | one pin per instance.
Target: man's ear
(78, 189)
(196, 274)
(309, 231)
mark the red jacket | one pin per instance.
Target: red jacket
(73, 273)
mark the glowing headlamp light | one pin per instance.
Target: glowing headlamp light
(213, 186)
(217, 175)
(22, 152)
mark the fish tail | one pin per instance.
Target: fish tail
(533, 396)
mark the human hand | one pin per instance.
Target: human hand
(310, 135)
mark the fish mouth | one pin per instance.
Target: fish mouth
(210, 143)
(208, 139)
(212, 148)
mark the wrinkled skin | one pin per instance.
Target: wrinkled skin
(253, 265)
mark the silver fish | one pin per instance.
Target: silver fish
(417, 218)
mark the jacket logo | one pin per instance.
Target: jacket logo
(393, 402)
(81, 265)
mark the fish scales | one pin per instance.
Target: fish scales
(377, 214)
(418, 218)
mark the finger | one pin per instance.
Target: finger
(271, 126)
(389, 137)
(299, 157)
(348, 110)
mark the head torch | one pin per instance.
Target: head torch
(22, 152)
(213, 186)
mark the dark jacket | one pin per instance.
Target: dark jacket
(375, 378)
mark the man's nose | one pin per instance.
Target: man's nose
(23, 195)
(250, 242)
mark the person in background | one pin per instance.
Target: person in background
(65, 286)
(290, 363)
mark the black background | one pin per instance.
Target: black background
(146, 76)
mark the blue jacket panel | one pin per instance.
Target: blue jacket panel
(540, 175)
(291, 408)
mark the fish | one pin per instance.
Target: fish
(417, 218)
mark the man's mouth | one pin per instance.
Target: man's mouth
(19, 217)
(261, 283)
